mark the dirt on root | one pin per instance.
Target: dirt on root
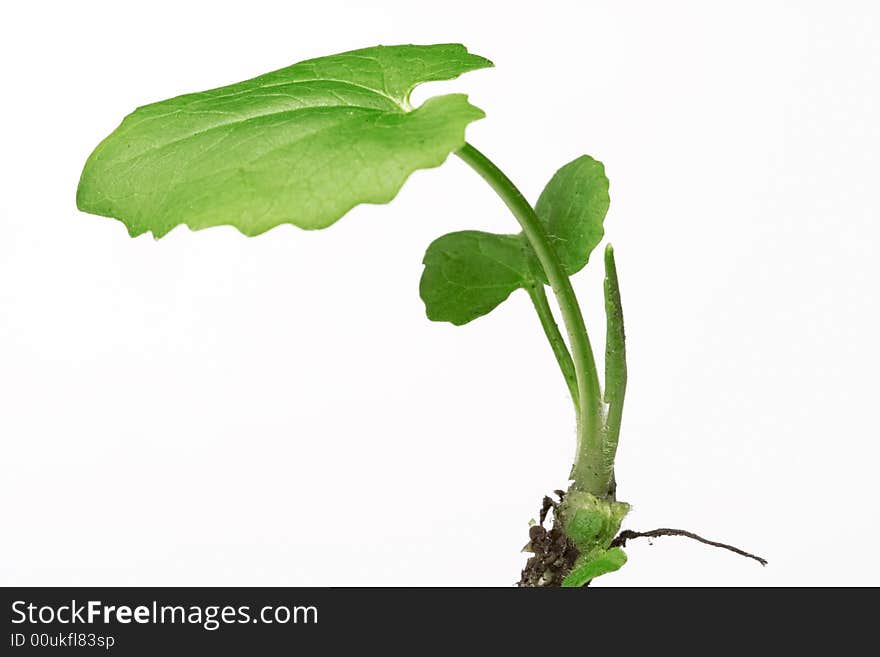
(553, 553)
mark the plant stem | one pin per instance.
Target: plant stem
(557, 342)
(589, 471)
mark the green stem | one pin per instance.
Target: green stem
(557, 342)
(589, 471)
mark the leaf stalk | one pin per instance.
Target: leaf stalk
(557, 342)
(590, 472)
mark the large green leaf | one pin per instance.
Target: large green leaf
(469, 273)
(301, 145)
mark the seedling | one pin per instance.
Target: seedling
(305, 144)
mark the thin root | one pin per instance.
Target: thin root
(628, 534)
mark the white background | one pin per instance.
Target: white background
(209, 409)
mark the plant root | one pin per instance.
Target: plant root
(553, 553)
(629, 534)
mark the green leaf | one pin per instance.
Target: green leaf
(465, 278)
(615, 356)
(589, 567)
(573, 206)
(615, 338)
(302, 145)
(469, 273)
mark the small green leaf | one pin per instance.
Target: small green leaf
(589, 567)
(302, 145)
(573, 206)
(469, 273)
(465, 282)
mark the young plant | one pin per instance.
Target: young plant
(305, 144)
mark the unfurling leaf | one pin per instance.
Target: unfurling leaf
(615, 337)
(301, 145)
(466, 277)
(615, 355)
